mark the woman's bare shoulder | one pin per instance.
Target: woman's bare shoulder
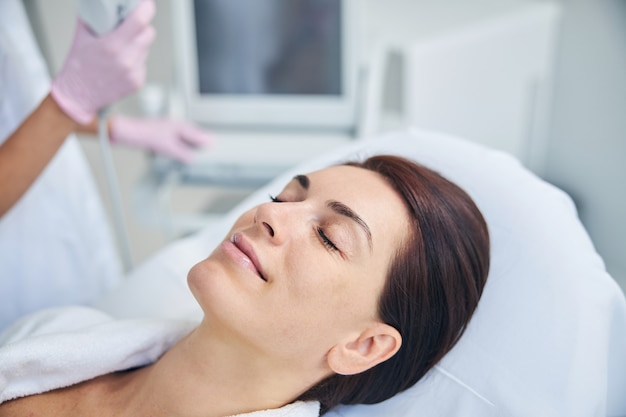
(54, 403)
(80, 400)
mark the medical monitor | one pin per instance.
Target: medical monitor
(267, 63)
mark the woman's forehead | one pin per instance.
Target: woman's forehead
(341, 174)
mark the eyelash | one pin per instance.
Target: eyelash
(325, 240)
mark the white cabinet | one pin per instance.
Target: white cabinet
(476, 70)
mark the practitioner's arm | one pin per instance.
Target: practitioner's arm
(29, 149)
(97, 72)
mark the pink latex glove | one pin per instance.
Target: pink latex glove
(172, 138)
(101, 70)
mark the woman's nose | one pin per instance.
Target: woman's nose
(274, 220)
(269, 228)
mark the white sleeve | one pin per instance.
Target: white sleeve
(56, 247)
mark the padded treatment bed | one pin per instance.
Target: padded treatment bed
(549, 335)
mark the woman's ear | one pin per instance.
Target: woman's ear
(360, 352)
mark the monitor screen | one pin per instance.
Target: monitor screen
(268, 46)
(267, 63)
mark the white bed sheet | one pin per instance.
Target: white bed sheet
(549, 335)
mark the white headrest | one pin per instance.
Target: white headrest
(549, 335)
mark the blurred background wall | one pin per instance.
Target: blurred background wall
(586, 146)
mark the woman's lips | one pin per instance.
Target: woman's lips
(243, 253)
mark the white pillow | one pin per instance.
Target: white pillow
(549, 335)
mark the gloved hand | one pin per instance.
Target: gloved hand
(172, 138)
(101, 70)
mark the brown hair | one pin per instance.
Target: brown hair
(433, 284)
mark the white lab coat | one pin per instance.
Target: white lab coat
(55, 243)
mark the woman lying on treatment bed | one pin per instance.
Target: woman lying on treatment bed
(346, 288)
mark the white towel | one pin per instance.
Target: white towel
(59, 347)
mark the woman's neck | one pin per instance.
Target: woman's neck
(211, 376)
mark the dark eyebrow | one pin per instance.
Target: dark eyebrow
(344, 210)
(303, 180)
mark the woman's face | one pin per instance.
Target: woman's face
(295, 276)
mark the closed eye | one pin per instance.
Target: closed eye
(326, 241)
